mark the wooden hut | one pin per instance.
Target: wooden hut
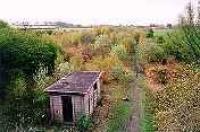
(74, 95)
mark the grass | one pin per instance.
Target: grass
(162, 32)
(147, 119)
(121, 110)
(120, 114)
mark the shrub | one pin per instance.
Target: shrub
(23, 106)
(150, 33)
(49, 32)
(22, 56)
(76, 63)
(178, 104)
(184, 44)
(25, 52)
(156, 53)
(118, 72)
(120, 115)
(87, 38)
(84, 123)
(3, 24)
(102, 39)
(120, 51)
(129, 44)
(162, 76)
(160, 40)
(106, 64)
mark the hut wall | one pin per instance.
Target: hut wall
(78, 107)
(82, 105)
(56, 108)
(87, 104)
(91, 97)
(98, 89)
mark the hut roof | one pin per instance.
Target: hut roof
(75, 83)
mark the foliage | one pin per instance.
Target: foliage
(184, 44)
(25, 52)
(160, 40)
(178, 104)
(87, 38)
(148, 105)
(23, 106)
(120, 51)
(118, 72)
(156, 53)
(162, 76)
(3, 24)
(26, 60)
(150, 33)
(102, 39)
(119, 117)
(84, 123)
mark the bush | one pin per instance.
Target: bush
(183, 44)
(162, 76)
(102, 39)
(118, 72)
(120, 51)
(178, 104)
(156, 53)
(120, 115)
(87, 38)
(150, 33)
(3, 24)
(25, 53)
(160, 40)
(84, 123)
(23, 106)
(22, 56)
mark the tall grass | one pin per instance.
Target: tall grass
(121, 113)
(147, 122)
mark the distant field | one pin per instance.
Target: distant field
(77, 29)
(162, 32)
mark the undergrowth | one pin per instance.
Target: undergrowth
(147, 123)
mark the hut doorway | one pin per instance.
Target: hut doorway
(67, 108)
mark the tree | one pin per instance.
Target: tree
(3, 24)
(198, 13)
(24, 53)
(190, 14)
(22, 56)
(169, 25)
(150, 33)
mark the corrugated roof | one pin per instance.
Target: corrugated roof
(76, 82)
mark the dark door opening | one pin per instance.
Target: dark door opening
(67, 109)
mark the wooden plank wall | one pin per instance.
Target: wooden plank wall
(56, 108)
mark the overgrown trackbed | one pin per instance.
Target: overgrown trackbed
(134, 123)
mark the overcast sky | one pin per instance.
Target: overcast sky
(93, 11)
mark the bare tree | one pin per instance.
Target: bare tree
(198, 13)
(190, 14)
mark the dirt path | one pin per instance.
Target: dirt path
(134, 124)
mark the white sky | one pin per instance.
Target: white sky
(93, 11)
